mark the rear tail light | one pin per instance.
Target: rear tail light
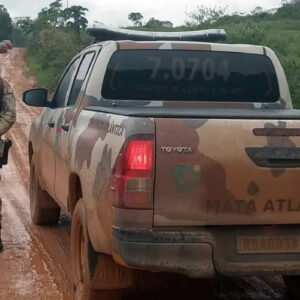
(132, 180)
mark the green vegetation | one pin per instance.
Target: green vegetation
(53, 39)
(136, 18)
(49, 52)
(8, 30)
(6, 27)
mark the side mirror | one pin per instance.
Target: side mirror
(36, 97)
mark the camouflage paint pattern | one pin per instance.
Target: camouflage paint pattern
(7, 109)
(207, 180)
(96, 142)
(216, 183)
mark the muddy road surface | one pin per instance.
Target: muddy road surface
(35, 263)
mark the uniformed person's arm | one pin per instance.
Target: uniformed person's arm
(7, 109)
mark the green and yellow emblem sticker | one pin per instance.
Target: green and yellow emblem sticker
(186, 176)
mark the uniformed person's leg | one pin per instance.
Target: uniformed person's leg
(1, 245)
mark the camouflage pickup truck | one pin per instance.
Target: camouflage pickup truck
(171, 156)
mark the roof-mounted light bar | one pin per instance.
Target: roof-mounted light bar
(104, 33)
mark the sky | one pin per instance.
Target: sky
(115, 12)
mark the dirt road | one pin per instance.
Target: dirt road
(35, 263)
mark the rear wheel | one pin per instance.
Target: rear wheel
(293, 285)
(43, 209)
(96, 276)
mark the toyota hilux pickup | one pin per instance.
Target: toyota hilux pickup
(171, 156)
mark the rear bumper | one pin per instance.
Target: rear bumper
(200, 253)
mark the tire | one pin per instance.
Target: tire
(95, 276)
(293, 285)
(43, 209)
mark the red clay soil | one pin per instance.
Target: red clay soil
(35, 260)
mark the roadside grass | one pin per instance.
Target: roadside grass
(50, 51)
(42, 75)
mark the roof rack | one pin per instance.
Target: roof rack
(104, 33)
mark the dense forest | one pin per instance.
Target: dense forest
(57, 34)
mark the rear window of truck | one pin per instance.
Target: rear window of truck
(178, 75)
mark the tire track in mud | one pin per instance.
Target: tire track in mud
(35, 263)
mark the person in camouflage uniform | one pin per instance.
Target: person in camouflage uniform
(7, 119)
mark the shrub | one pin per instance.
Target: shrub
(246, 33)
(50, 51)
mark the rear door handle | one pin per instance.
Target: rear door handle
(65, 127)
(268, 157)
(51, 124)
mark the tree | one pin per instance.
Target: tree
(26, 25)
(289, 10)
(257, 11)
(18, 37)
(205, 16)
(51, 16)
(56, 17)
(136, 18)
(155, 23)
(6, 27)
(75, 18)
(2, 8)
(166, 24)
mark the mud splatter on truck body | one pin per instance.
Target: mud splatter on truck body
(170, 185)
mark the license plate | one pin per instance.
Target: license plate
(268, 244)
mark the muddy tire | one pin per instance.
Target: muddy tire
(43, 209)
(95, 276)
(293, 285)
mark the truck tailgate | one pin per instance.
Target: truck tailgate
(226, 172)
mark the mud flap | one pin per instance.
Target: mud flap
(107, 275)
(5, 145)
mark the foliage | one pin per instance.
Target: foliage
(247, 33)
(50, 52)
(75, 17)
(18, 38)
(6, 27)
(25, 25)
(289, 10)
(136, 18)
(52, 16)
(205, 16)
(257, 10)
(154, 23)
(53, 39)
